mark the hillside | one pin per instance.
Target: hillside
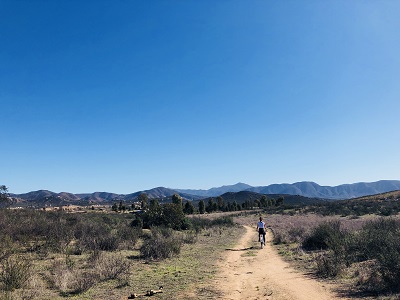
(344, 191)
(383, 204)
(217, 191)
(243, 196)
(158, 192)
(100, 197)
(308, 190)
(305, 188)
(43, 198)
(380, 197)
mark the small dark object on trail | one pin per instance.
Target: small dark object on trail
(148, 293)
(242, 249)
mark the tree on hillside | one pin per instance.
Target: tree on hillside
(189, 208)
(279, 201)
(169, 215)
(121, 206)
(153, 215)
(143, 199)
(176, 199)
(210, 205)
(263, 201)
(202, 207)
(220, 203)
(173, 216)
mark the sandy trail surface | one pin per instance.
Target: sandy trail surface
(265, 275)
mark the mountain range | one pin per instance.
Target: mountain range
(305, 189)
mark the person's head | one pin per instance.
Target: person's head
(260, 219)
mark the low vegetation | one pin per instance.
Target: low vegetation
(362, 253)
(51, 255)
(109, 254)
(386, 204)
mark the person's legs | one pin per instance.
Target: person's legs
(260, 231)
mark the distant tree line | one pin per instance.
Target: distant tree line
(219, 204)
(208, 206)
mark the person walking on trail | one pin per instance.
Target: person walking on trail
(261, 229)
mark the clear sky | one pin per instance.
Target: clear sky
(123, 96)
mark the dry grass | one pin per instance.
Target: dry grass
(189, 275)
(118, 274)
(191, 272)
(357, 280)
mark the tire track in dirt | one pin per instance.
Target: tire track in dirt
(265, 275)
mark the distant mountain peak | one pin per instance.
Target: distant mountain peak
(217, 191)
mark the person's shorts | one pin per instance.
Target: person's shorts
(261, 230)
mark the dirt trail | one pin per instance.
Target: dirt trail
(265, 276)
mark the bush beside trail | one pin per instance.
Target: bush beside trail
(366, 250)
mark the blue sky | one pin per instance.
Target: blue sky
(123, 96)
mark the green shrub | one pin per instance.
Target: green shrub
(376, 245)
(380, 241)
(137, 222)
(199, 224)
(341, 248)
(173, 216)
(95, 236)
(162, 244)
(324, 236)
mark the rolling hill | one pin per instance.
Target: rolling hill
(217, 191)
(48, 198)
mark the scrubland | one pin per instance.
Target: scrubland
(360, 254)
(57, 255)
(107, 255)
